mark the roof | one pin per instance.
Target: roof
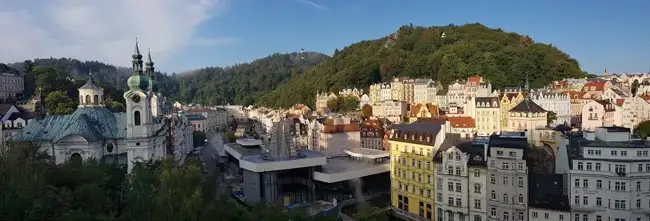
(528, 106)
(490, 101)
(476, 151)
(329, 126)
(4, 108)
(198, 110)
(511, 142)
(419, 132)
(474, 79)
(23, 115)
(462, 122)
(91, 123)
(416, 108)
(90, 84)
(600, 85)
(546, 191)
(195, 117)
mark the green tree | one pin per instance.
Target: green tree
(57, 102)
(643, 129)
(550, 117)
(366, 111)
(114, 106)
(231, 137)
(199, 138)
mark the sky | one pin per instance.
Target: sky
(188, 34)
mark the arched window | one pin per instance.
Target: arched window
(75, 158)
(87, 100)
(136, 117)
(96, 100)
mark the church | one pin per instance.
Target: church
(145, 131)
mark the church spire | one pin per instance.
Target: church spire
(137, 59)
(149, 69)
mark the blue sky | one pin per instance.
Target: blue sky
(599, 33)
(187, 34)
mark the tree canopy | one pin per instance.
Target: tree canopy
(505, 59)
(34, 188)
(343, 104)
(643, 129)
(244, 83)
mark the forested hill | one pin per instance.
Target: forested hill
(244, 83)
(108, 75)
(473, 49)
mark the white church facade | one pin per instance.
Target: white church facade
(141, 133)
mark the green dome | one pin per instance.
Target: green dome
(139, 82)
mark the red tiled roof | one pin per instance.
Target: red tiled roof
(197, 110)
(462, 122)
(600, 85)
(474, 79)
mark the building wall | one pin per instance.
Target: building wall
(412, 175)
(592, 115)
(10, 85)
(452, 183)
(507, 185)
(540, 214)
(488, 120)
(335, 143)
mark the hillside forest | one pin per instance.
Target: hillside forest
(443, 53)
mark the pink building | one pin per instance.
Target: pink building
(598, 113)
(339, 134)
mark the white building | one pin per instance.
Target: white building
(93, 131)
(424, 91)
(460, 182)
(385, 92)
(456, 93)
(556, 102)
(634, 111)
(507, 186)
(393, 110)
(608, 174)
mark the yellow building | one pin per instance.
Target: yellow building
(509, 99)
(412, 147)
(488, 115)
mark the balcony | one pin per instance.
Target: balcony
(587, 208)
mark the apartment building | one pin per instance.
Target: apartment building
(507, 184)
(547, 198)
(487, 115)
(460, 188)
(412, 147)
(556, 102)
(528, 117)
(608, 174)
(11, 85)
(424, 91)
(393, 110)
(338, 134)
(593, 114)
(509, 99)
(456, 93)
(372, 134)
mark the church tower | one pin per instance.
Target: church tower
(153, 87)
(91, 95)
(138, 100)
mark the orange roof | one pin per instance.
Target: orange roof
(576, 94)
(299, 106)
(341, 128)
(416, 108)
(600, 85)
(372, 124)
(474, 79)
(462, 122)
(645, 97)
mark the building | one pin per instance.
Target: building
(634, 111)
(424, 91)
(527, 116)
(507, 185)
(209, 118)
(456, 93)
(460, 187)
(593, 114)
(393, 110)
(488, 115)
(374, 93)
(398, 89)
(372, 134)
(418, 111)
(412, 147)
(547, 198)
(556, 102)
(464, 126)
(93, 131)
(339, 134)
(11, 85)
(13, 122)
(198, 121)
(509, 99)
(607, 174)
(578, 101)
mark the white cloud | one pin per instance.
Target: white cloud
(103, 30)
(313, 4)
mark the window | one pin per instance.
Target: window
(520, 166)
(521, 198)
(599, 184)
(545, 215)
(599, 201)
(580, 166)
(458, 171)
(450, 186)
(577, 183)
(576, 200)
(458, 202)
(534, 214)
(599, 218)
(458, 187)
(136, 118)
(585, 200)
(619, 186)
(638, 185)
(450, 170)
(505, 180)
(589, 166)
(505, 198)
(520, 216)
(477, 218)
(477, 173)
(623, 153)
(477, 188)
(512, 153)
(477, 204)
(639, 168)
(506, 216)
(638, 203)
(439, 197)
(598, 166)
(493, 179)
(585, 183)
(613, 153)
(505, 165)
(520, 181)
(450, 201)
(493, 212)
(493, 195)
(499, 152)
